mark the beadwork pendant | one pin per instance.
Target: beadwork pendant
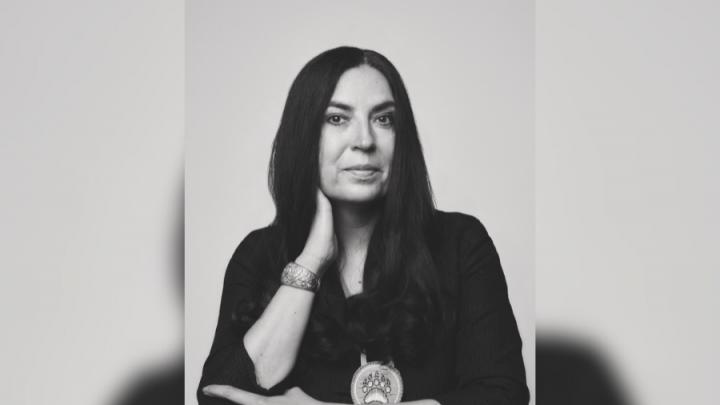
(376, 383)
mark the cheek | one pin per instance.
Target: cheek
(327, 177)
(326, 160)
(327, 146)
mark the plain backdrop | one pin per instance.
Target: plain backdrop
(469, 73)
(91, 200)
(626, 177)
(627, 190)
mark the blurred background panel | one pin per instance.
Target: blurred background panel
(91, 207)
(627, 197)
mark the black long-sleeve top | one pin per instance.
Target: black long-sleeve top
(478, 362)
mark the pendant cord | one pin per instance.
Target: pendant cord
(363, 360)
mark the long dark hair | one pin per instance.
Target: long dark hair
(401, 302)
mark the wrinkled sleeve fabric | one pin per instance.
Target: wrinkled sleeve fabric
(228, 362)
(489, 368)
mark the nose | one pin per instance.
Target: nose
(364, 138)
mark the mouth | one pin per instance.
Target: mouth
(362, 171)
(363, 168)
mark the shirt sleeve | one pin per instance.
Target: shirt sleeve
(489, 367)
(228, 362)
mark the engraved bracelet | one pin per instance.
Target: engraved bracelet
(295, 275)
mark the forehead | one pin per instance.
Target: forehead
(362, 85)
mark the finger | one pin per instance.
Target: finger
(233, 394)
(320, 193)
(296, 395)
(322, 199)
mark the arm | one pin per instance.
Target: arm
(274, 340)
(293, 396)
(489, 366)
(228, 361)
(258, 355)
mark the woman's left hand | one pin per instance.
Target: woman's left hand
(293, 396)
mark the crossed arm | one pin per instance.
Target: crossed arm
(293, 396)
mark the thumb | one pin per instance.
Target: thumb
(295, 392)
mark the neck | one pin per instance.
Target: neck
(354, 224)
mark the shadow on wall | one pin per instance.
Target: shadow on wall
(573, 372)
(157, 387)
(164, 385)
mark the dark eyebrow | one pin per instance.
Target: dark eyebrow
(382, 106)
(340, 106)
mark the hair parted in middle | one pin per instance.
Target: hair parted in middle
(401, 300)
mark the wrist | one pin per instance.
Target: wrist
(297, 276)
(311, 262)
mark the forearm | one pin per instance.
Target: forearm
(418, 402)
(274, 340)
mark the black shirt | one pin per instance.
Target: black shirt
(478, 362)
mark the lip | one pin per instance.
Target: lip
(363, 173)
(364, 168)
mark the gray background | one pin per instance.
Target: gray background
(627, 190)
(469, 72)
(91, 200)
(91, 140)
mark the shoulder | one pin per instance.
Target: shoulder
(258, 239)
(465, 239)
(454, 225)
(257, 253)
(461, 237)
(458, 235)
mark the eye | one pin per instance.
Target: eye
(335, 119)
(386, 120)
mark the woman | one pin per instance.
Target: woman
(360, 291)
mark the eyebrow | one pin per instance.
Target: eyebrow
(382, 106)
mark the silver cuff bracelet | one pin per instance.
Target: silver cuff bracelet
(295, 275)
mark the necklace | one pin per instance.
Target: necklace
(376, 383)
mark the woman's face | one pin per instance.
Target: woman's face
(358, 137)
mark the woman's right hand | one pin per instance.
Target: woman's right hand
(321, 245)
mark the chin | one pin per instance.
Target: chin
(359, 201)
(357, 195)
